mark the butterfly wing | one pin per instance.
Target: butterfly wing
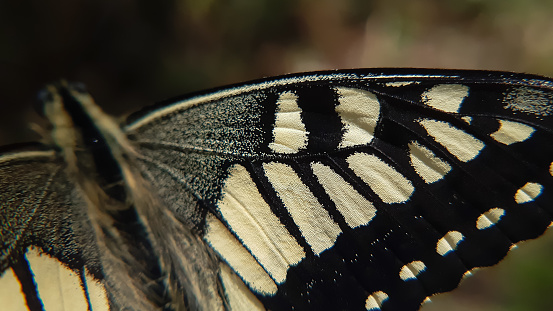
(339, 190)
(47, 250)
(355, 189)
(82, 216)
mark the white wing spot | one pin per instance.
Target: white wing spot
(239, 296)
(58, 286)
(238, 258)
(528, 192)
(357, 210)
(289, 134)
(449, 242)
(446, 97)
(489, 218)
(11, 296)
(427, 165)
(259, 229)
(467, 120)
(412, 270)
(463, 146)
(359, 111)
(510, 132)
(314, 222)
(375, 300)
(385, 181)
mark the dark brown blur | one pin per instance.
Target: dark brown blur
(133, 53)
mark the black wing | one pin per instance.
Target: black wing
(47, 248)
(355, 190)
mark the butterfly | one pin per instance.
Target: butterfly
(368, 189)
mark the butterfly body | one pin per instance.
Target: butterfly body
(346, 190)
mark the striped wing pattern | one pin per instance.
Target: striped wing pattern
(347, 190)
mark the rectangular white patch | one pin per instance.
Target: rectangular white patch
(96, 293)
(510, 132)
(259, 229)
(427, 165)
(289, 134)
(446, 97)
(359, 111)
(58, 286)
(462, 145)
(11, 296)
(357, 210)
(238, 258)
(239, 296)
(314, 222)
(384, 180)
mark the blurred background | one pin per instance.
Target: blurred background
(134, 53)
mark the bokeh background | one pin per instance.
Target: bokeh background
(134, 53)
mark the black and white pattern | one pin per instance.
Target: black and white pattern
(345, 190)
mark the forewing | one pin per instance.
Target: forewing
(356, 189)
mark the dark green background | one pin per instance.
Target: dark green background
(134, 53)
